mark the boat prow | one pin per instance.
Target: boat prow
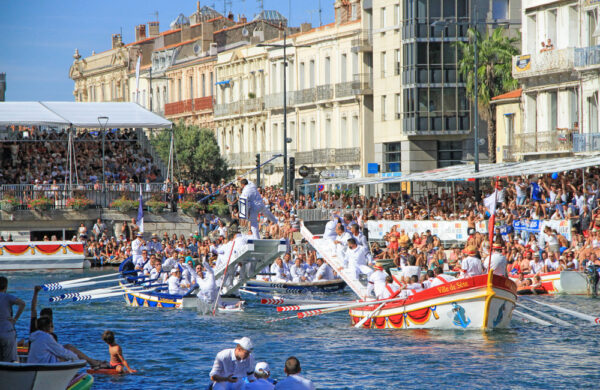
(32, 376)
(563, 282)
(467, 303)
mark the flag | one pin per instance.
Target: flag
(321, 188)
(137, 78)
(490, 202)
(140, 216)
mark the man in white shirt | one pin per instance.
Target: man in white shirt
(137, 246)
(278, 270)
(176, 287)
(356, 260)
(233, 364)
(254, 206)
(341, 241)
(358, 236)
(411, 269)
(294, 381)
(297, 271)
(440, 278)
(471, 265)
(498, 261)
(330, 228)
(537, 265)
(324, 272)
(376, 281)
(205, 279)
(310, 268)
(44, 348)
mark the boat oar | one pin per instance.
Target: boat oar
(99, 291)
(55, 287)
(52, 286)
(531, 318)
(368, 317)
(223, 280)
(107, 295)
(281, 301)
(546, 316)
(318, 312)
(593, 320)
(306, 307)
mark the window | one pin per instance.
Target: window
(343, 133)
(552, 111)
(290, 75)
(303, 137)
(343, 71)
(551, 28)
(398, 104)
(392, 157)
(211, 84)
(178, 90)
(301, 76)
(398, 60)
(383, 64)
(500, 9)
(327, 70)
(328, 135)
(273, 78)
(382, 15)
(311, 76)
(573, 108)
(593, 113)
(203, 86)
(314, 137)
(275, 136)
(383, 104)
(509, 127)
(355, 132)
(165, 100)
(397, 15)
(592, 21)
(449, 153)
(191, 93)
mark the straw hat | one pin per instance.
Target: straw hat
(470, 250)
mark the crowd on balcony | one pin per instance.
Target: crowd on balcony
(40, 157)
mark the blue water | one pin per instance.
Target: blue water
(176, 348)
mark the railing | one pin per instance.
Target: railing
(324, 92)
(587, 142)
(61, 193)
(347, 155)
(587, 56)
(544, 141)
(543, 63)
(303, 96)
(362, 42)
(329, 156)
(362, 83)
(343, 90)
(508, 153)
(189, 106)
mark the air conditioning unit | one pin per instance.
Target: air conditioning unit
(213, 49)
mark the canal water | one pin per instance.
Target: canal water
(176, 348)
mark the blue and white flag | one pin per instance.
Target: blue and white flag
(140, 216)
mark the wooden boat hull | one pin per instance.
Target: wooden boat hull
(563, 282)
(29, 376)
(152, 299)
(462, 304)
(41, 255)
(295, 288)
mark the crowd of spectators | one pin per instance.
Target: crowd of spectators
(41, 157)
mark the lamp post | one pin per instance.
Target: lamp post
(103, 120)
(284, 46)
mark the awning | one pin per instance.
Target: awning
(79, 114)
(466, 172)
(223, 82)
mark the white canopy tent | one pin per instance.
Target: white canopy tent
(467, 172)
(80, 115)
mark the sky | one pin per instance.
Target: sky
(38, 38)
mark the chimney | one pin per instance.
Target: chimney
(304, 27)
(140, 32)
(243, 19)
(186, 32)
(117, 41)
(153, 29)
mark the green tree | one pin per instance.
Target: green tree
(197, 153)
(494, 73)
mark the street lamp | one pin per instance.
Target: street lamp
(103, 120)
(285, 137)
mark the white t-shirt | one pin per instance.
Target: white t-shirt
(295, 382)
(411, 270)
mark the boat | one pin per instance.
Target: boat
(55, 376)
(41, 255)
(531, 290)
(467, 303)
(563, 282)
(325, 286)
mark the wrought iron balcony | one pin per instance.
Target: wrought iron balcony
(344, 90)
(544, 63)
(587, 57)
(557, 141)
(587, 142)
(325, 92)
(362, 84)
(329, 156)
(363, 42)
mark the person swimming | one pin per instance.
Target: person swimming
(117, 361)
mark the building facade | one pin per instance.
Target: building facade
(558, 70)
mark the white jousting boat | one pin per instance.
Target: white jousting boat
(41, 255)
(562, 282)
(30, 376)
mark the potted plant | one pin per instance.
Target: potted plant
(9, 203)
(189, 207)
(79, 203)
(156, 206)
(124, 205)
(40, 204)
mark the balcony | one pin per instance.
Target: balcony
(189, 106)
(508, 153)
(308, 95)
(324, 92)
(227, 109)
(363, 42)
(585, 143)
(544, 63)
(362, 84)
(343, 90)
(587, 57)
(275, 100)
(543, 142)
(254, 105)
(329, 156)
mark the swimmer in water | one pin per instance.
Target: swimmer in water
(116, 354)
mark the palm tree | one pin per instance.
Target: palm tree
(494, 73)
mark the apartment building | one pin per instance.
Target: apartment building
(328, 116)
(558, 71)
(421, 116)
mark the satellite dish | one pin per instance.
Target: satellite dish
(245, 32)
(197, 49)
(481, 141)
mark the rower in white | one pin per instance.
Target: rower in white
(356, 260)
(297, 272)
(205, 279)
(176, 286)
(279, 272)
(377, 281)
(254, 206)
(324, 272)
(498, 261)
(471, 265)
(341, 241)
(440, 278)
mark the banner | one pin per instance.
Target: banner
(562, 226)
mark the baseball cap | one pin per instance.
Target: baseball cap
(245, 343)
(262, 368)
(174, 270)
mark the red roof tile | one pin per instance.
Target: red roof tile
(510, 95)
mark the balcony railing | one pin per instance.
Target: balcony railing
(189, 106)
(303, 96)
(329, 156)
(588, 142)
(544, 63)
(324, 92)
(587, 57)
(343, 90)
(362, 83)
(363, 42)
(558, 141)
